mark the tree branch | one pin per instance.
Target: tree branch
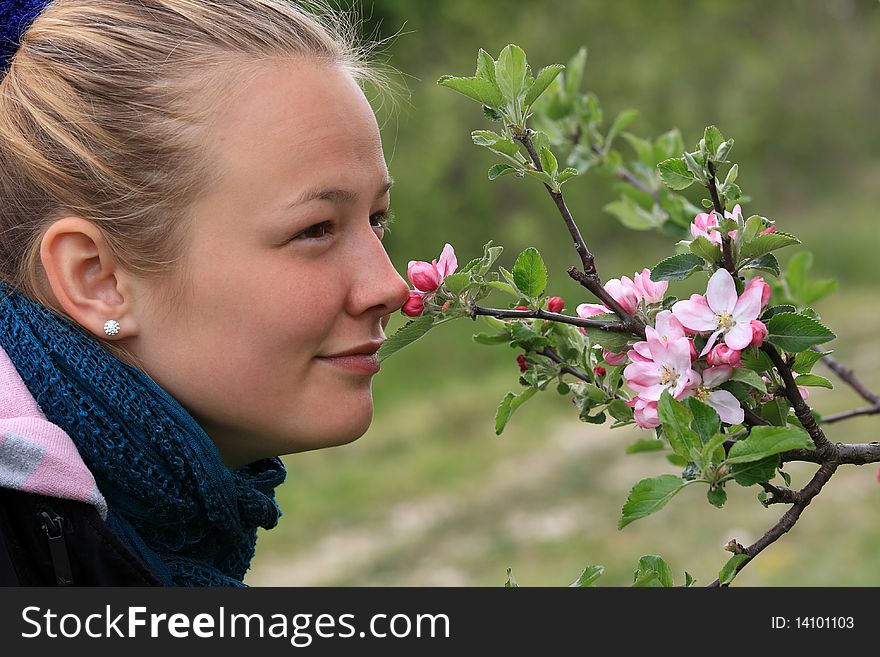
(868, 410)
(849, 376)
(500, 313)
(574, 371)
(845, 453)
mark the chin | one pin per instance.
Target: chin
(332, 432)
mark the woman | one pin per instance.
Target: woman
(192, 200)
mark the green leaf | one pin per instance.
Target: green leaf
(676, 419)
(706, 421)
(726, 575)
(713, 139)
(763, 244)
(494, 142)
(708, 251)
(767, 263)
(814, 380)
(675, 173)
(765, 441)
(754, 225)
(819, 289)
(776, 411)
(406, 335)
(676, 268)
(717, 496)
(644, 149)
(530, 273)
(486, 67)
(755, 359)
(694, 167)
(504, 287)
(653, 571)
(566, 174)
(510, 72)
(545, 76)
(511, 580)
(623, 413)
(621, 122)
(750, 378)
(688, 580)
(775, 310)
(649, 496)
(455, 283)
(796, 273)
(499, 170)
(755, 472)
(590, 575)
(548, 161)
(713, 450)
(792, 332)
(805, 360)
(476, 88)
(668, 144)
(486, 338)
(645, 445)
(614, 341)
(508, 405)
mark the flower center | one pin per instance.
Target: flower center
(668, 376)
(702, 393)
(726, 321)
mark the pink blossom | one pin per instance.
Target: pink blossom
(623, 291)
(721, 311)
(555, 304)
(725, 404)
(759, 282)
(414, 305)
(694, 354)
(759, 333)
(721, 354)
(666, 328)
(705, 225)
(669, 368)
(767, 231)
(644, 413)
(736, 215)
(613, 358)
(647, 290)
(587, 310)
(427, 276)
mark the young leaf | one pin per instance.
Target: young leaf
(713, 139)
(574, 72)
(767, 263)
(485, 338)
(406, 335)
(645, 445)
(729, 571)
(793, 332)
(676, 419)
(476, 88)
(706, 421)
(814, 380)
(763, 244)
(508, 405)
(766, 441)
(511, 580)
(676, 268)
(455, 283)
(653, 571)
(548, 162)
(675, 173)
(632, 215)
(530, 273)
(622, 121)
(717, 496)
(510, 72)
(750, 378)
(486, 67)
(545, 76)
(649, 496)
(499, 170)
(566, 174)
(590, 575)
(708, 251)
(504, 287)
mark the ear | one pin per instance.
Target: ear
(86, 279)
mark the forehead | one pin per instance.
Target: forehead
(297, 124)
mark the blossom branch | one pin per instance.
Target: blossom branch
(500, 313)
(589, 277)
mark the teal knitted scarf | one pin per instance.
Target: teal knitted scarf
(170, 497)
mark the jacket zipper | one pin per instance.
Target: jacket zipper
(53, 528)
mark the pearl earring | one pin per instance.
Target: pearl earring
(111, 327)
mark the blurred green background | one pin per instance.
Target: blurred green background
(430, 496)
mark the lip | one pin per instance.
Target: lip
(361, 359)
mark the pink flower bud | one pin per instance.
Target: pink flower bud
(759, 332)
(767, 231)
(522, 308)
(644, 413)
(694, 354)
(414, 305)
(599, 370)
(721, 354)
(613, 358)
(757, 281)
(555, 304)
(423, 275)
(523, 365)
(623, 292)
(805, 394)
(648, 290)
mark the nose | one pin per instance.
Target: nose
(378, 289)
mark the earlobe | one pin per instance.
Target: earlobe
(86, 279)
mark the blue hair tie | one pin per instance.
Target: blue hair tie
(16, 17)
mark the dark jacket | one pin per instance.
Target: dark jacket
(56, 542)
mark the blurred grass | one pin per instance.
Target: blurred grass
(430, 496)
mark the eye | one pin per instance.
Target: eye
(382, 221)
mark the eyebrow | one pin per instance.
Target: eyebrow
(335, 195)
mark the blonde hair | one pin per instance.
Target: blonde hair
(105, 111)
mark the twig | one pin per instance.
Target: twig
(845, 453)
(790, 517)
(501, 313)
(726, 248)
(849, 376)
(780, 495)
(868, 410)
(574, 371)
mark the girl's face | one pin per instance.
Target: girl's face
(284, 266)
